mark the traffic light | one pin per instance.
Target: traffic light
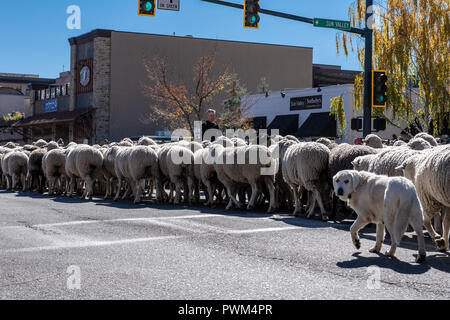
(251, 14)
(356, 124)
(379, 88)
(379, 124)
(147, 8)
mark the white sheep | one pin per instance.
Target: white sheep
(146, 141)
(305, 166)
(427, 137)
(14, 167)
(176, 163)
(54, 168)
(84, 162)
(135, 165)
(419, 144)
(430, 173)
(374, 141)
(251, 165)
(35, 172)
(385, 162)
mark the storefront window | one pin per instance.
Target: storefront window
(58, 91)
(47, 93)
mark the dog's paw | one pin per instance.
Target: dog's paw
(374, 250)
(420, 258)
(440, 243)
(357, 244)
(389, 254)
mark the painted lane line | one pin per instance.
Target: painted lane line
(87, 244)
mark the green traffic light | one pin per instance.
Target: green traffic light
(148, 6)
(254, 19)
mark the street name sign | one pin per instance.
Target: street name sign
(335, 24)
(169, 5)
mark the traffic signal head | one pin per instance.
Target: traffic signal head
(147, 8)
(251, 14)
(379, 88)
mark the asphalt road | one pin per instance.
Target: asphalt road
(60, 248)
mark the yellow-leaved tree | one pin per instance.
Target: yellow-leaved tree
(411, 42)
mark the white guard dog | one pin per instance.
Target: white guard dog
(385, 201)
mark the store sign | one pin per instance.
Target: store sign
(51, 105)
(169, 5)
(306, 103)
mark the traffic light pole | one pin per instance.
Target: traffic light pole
(367, 33)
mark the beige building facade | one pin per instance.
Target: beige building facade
(108, 74)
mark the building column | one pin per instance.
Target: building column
(71, 132)
(54, 132)
(73, 77)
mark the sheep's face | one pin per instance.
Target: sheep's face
(345, 183)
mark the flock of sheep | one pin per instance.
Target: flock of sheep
(285, 174)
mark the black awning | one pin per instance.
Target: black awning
(320, 124)
(286, 124)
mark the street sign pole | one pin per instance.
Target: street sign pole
(368, 34)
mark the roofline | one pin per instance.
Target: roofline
(107, 34)
(87, 37)
(27, 80)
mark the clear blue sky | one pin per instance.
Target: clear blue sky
(34, 35)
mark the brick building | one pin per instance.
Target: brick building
(102, 97)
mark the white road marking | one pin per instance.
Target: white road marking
(91, 244)
(79, 222)
(185, 223)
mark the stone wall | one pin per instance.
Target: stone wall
(102, 85)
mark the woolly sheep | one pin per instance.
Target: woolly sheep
(14, 167)
(146, 141)
(430, 172)
(385, 162)
(35, 172)
(418, 144)
(136, 164)
(283, 192)
(84, 162)
(305, 166)
(232, 172)
(374, 141)
(52, 145)
(429, 138)
(177, 163)
(10, 145)
(54, 168)
(40, 143)
(399, 143)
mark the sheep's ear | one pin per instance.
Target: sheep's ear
(355, 180)
(354, 163)
(402, 167)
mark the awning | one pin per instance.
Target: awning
(286, 124)
(52, 117)
(319, 124)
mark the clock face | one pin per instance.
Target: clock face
(85, 76)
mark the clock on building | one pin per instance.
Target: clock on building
(85, 76)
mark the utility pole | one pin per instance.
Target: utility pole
(367, 33)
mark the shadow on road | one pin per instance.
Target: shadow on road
(437, 261)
